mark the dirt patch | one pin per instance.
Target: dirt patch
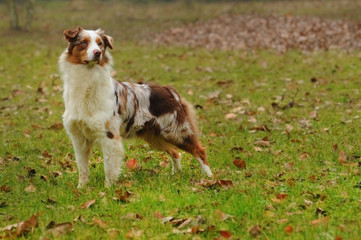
(277, 33)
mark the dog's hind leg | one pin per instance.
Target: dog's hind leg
(113, 153)
(191, 145)
(160, 144)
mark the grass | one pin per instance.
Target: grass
(303, 160)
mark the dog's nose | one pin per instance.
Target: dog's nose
(97, 53)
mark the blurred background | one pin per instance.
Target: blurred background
(139, 20)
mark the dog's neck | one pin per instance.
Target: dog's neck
(89, 86)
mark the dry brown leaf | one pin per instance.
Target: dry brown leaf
(59, 229)
(57, 126)
(313, 115)
(320, 221)
(262, 143)
(304, 155)
(5, 188)
(21, 227)
(281, 33)
(221, 216)
(342, 157)
(131, 163)
(132, 216)
(30, 188)
(123, 196)
(166, 219)
(288, 229)
(99, 222)
(185, 223)
(225, 234)
(255, 231)
(239, 163)
(157, 214)
(88, 204)
(134, 234)
(281, 196)
(229, 116)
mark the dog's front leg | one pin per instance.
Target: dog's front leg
(82, 148)
(113, 153)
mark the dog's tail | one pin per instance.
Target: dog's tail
(191, 115)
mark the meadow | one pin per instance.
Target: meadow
(281, 132)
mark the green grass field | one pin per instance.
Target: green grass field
(292, 118)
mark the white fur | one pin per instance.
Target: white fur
(93, 46)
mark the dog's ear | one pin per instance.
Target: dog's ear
(70, 35)
(108, 40)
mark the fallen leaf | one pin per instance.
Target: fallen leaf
(99, 222)
(131, 163)
(5, 188)
(212, 134)
(239, 163)
(123, 196)
(166, 219)
(304, 155)
(288, 229)
(185, 223)
(320, 221)
(157, 214)
(21, 227)
(79, 218)
(113, 234)
(281, 196)
(255, 231)
(57, 126)
(263, 128)
(134, 234)
(225, 234)
(262, 143)
(313, 178)
(44, 178)
(87, 204)
(59, 229)
(30, 188)
(229, 116)
(342, 157)
(221, 216)
(313, 114)
(132, 216)
(335, 147)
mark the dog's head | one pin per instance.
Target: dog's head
(88, 46)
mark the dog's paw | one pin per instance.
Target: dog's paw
(206, 171)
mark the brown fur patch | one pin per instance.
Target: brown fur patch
(110, 135)
(150, 128)
(123, 99)
(130, 122)
(77, 52)
(162, 101)
(173, 153)
(190, 144)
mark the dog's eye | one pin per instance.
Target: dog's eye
(100, 43)
(84, 43)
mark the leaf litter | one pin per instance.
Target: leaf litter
(280, 33)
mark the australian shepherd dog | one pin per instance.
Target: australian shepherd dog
(101, 110)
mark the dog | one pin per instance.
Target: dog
(101, 110)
